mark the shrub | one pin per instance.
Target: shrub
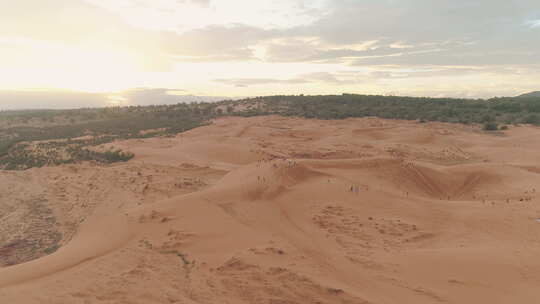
(532, 119)
(117, 156)
(490, 126)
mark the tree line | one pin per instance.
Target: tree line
(104, 125)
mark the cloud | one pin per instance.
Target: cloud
(533, 23)
(202, 3)
(336, 33)
(246, 82)
(455, 57)
(185, 15)
(215, 43)
(103, 45)
(318, 52)
(317, 77)
(487, 30)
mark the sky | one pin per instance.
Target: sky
(72, 53)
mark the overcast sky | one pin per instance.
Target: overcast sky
(66, 53)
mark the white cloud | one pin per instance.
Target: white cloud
(533, 23)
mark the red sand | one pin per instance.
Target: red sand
(260, 210)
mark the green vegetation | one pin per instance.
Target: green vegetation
(182, 256)
(27, 155)
(186, 264)
(38, 138)
(498, 110)
(490, 126)
(51, 249)
(31, 144)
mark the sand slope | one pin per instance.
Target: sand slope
(260, 210)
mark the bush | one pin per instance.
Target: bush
(490, 126)
(532, 119)
(117, 156)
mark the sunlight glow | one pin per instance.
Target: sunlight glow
(246, 48)
(187, 15)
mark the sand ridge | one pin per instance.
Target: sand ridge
(288, 210)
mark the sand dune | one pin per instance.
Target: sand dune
(284, 210)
